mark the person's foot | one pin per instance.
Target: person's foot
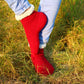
(42, 66)
(33, 24)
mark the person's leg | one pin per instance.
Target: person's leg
(33, 22)
(18, 6)
(50, 8)
(23, 9)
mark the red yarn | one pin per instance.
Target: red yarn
(33, 24)
(42, 66)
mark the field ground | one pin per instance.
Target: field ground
(65, 49)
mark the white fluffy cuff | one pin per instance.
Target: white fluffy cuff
(41, 46)
(25, 14)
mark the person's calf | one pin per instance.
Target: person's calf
(33, 24)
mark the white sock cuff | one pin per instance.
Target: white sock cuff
(25, 14)
(41, 46)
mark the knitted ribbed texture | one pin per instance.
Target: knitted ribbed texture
(33, 24)
(42, 66)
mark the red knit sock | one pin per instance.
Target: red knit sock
(33, 24)
(42, 66)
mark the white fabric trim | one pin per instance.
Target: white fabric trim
(40, 46)
(25, 14)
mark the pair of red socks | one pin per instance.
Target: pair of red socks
(33, 24)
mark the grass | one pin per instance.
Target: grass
(64, 50)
